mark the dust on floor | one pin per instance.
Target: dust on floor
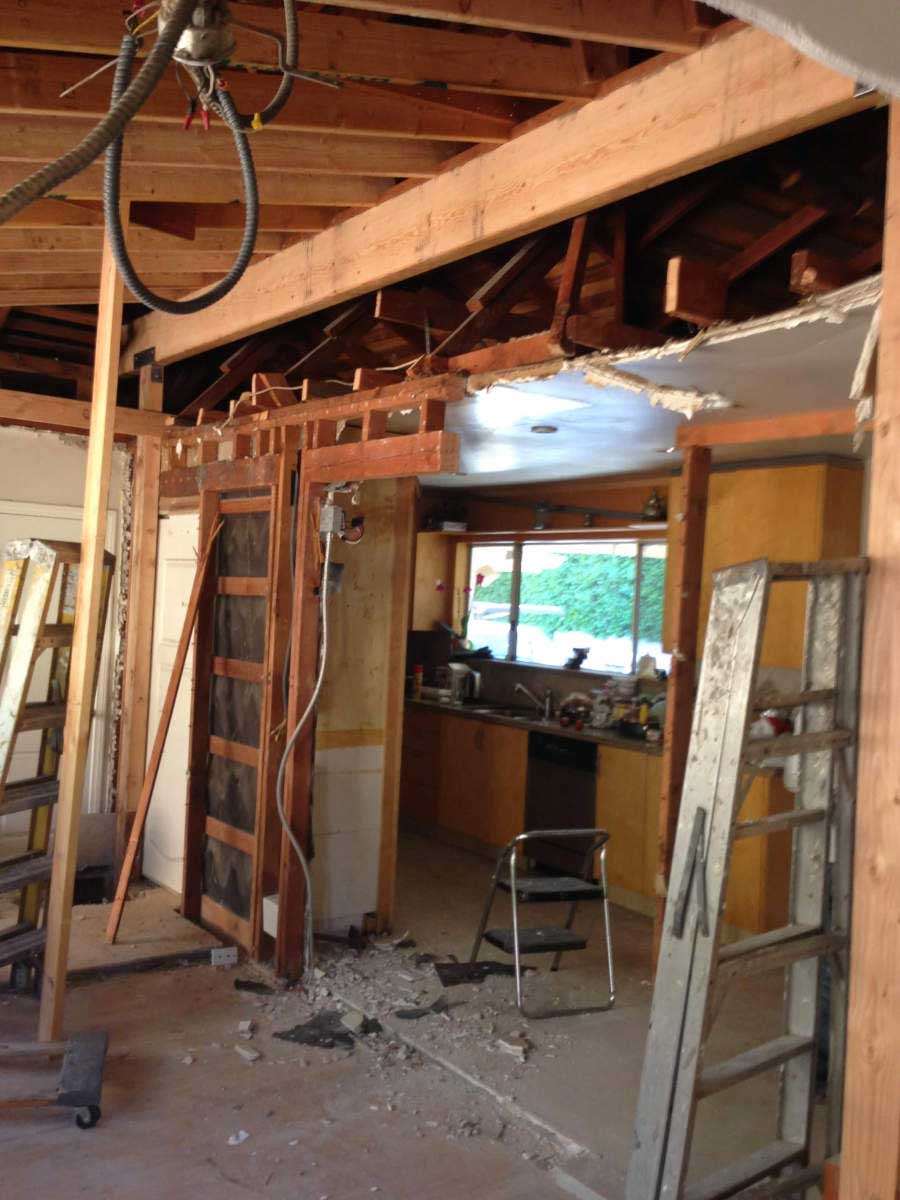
(377, 1120)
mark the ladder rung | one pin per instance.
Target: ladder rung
(787, 1185)
(793, 699)
(66, 552)
(777, 948)
(814, 570)
(786, 744)
(18, 872)
(42, 716)
(56, 636)
(21, 943)
(744, 1172)
(778, 822)
(26, 794)
(53, 635)
(755, 1061)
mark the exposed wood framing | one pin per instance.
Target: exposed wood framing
(768, 429)
(654, 126)
(652, 25)
(139, 620)
(83, 655)
(391, 457)
(52, 412)
(404, 548)
(34, 83)
(870, 1161)
(335, 45)
(687, 565)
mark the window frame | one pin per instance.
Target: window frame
(518, 544)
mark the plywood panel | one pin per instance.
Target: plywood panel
(622, 811)
(435, 555)
(770, 512)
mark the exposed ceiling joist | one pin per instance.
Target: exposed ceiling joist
(29, 139)
(32, 83)
(356, 46)
(653, 126)
(220, 186)
(652, 24)
(166, 217)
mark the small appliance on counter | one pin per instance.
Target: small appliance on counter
(465, 684)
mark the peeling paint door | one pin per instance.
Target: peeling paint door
(163, 859)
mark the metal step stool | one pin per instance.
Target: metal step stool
(547, 889)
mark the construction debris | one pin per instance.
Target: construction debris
(515, 1044)
(328, 1029)
(247, 1053)
(414, 1014)
(238, 1138)
(246, 1029)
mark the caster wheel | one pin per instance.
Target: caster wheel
(87, 1117)
(20, 977)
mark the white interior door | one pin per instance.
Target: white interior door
(58, 522)
(176, 566)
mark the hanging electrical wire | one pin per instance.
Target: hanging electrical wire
(48, 178)
(198, 36)
(112, 211)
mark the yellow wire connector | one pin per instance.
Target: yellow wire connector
(256, 123)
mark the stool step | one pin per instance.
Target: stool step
(546, 889)
(537, 940)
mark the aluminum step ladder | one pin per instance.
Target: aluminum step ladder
(547, 889)
(694, 969)
(34, 572)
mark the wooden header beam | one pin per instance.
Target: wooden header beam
(651, 127)
(650, 24)
(52, 412)
(785, 428)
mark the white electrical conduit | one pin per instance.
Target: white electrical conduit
(308, 945)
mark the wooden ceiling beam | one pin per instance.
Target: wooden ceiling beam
(654, 127)
(784, 428)
(221, 186)
(29, 139)
(356, 46)
(772, 241)
(28, 408)
(68, 240)
(31, 83)
(87, 262)
(650, 24)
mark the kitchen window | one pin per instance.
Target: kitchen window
(540, 601)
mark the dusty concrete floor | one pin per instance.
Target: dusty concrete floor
(583, 1072)
(378, 1121)
(431, 1107)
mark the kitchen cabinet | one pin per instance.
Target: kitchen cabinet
(628, 784)
(627, 808)
(463, 776)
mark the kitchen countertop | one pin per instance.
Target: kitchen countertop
(483, 712)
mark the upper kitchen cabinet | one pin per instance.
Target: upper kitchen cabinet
(797, 512)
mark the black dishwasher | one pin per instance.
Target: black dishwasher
(560, 793)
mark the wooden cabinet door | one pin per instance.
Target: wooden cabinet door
(420, 770)
(463, 794)
(504, 783)
(622, 811)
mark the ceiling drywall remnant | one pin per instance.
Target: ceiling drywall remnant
(859, 39)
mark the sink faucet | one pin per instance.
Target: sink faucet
(545, 706)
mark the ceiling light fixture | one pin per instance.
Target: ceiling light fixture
(544, 428)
